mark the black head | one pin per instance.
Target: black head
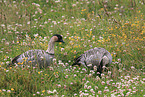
(59, 38)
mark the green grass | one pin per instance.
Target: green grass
(118, 26)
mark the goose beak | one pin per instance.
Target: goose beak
(62, 41)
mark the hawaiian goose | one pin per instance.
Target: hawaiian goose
(41, 57)
(98, 57)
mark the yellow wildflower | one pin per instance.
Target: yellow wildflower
(99, 40)
(113, 60)
(111, 54)
(30, 61)
(21, 63)
(43, 91)
(12, 89)
(90, 32)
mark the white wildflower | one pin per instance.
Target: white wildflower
(132, 67)
(9, 91)
(99, 92)
(54, 91)
(73, 5)
(49, 92)
(38, 92)
(36, 35)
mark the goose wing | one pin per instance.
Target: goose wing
(77, 60)
(105, 56)
(94, 56)
(89, 57)
(34, 56)
(14, 60)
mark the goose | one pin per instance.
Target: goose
(98, 57)
(38, 57)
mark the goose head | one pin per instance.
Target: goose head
(57, 38)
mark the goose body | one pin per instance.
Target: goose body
(94, 57)
(38, 57)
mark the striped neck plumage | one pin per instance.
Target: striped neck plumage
(50, 48)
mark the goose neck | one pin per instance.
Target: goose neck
(50, 48)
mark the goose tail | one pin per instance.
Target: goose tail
(77, 61)
(14, 60)
(73, 64)
(79, 64)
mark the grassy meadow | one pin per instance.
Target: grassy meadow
(116, 25)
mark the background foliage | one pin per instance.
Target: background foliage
(116, 25)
